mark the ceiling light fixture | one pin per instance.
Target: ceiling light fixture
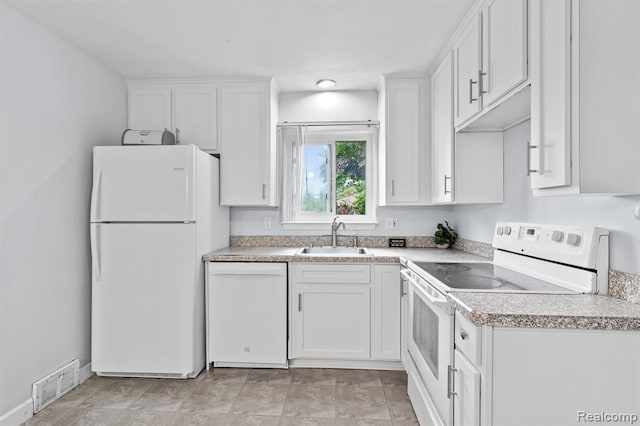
(325, 83)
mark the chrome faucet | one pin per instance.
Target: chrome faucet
(334, 231)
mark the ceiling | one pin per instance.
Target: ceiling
(295, 41)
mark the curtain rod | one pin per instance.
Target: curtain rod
(330, 123)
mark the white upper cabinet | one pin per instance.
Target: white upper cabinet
(504, 48)
(471, 169)
(442, 131)
(404, 179)
(196, 117)
(491, 66)
(246, 131)
(189, 110)
(549, 153)
(150, 108)
(233, 118)
(585, 108)
(467, 56)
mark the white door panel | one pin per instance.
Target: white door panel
(196, 115)
(248, 312)
(143, 184)
(150, 108)
(342, 334)
(143, 298)
(467, 68)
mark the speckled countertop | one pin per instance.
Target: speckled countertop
(580, 311)
(492, 309)
(378, 255)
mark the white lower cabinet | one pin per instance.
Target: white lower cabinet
(385, 327)
(344, 311)
(466, 400)
(506, 376)
(332, 321)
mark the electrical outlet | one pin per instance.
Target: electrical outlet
(267, 223)
(391, 223)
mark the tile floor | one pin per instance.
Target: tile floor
(229, 396)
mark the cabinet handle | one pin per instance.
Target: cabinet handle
(393, 188)
(481, 82)
(299, 302)
(463, 335)
(445, 185)
(177, 136)
(450, 376)
(403, 284)
(264, 191)
(528, 159)
(471, 98)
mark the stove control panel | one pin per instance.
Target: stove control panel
(573, 245)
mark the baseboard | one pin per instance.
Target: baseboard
(18, 415)
(350, 364)
(24, 411)
(84, 373)
(250, 365)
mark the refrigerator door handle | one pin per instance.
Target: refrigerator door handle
(96, 193)
(95, 252)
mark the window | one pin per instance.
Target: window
(328, 172)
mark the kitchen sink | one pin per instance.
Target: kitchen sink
(333, 251)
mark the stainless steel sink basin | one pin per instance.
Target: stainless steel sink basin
(348, 251)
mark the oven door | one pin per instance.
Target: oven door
(430, 342)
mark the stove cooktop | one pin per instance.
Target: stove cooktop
(485, 276)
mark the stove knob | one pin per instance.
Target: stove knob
(507, 230)
(557, 236)
(499, 230)
(573, 239)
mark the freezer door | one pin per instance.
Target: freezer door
(143, 184)
(144, 295)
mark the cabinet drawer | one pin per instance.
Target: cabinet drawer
(331, 273)
(467, 339)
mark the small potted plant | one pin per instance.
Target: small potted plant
(445, 236)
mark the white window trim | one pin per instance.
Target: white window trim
(310, 221)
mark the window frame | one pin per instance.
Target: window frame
(319, 136)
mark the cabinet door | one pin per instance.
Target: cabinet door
(150, 108)
(404, 326)
(243, 135)
(331, 321)
(466, 402)
(385, 328)
(549, 153)
(442, 130)
(195, 112)
(504, 47)
(467, 65)
(403, 142)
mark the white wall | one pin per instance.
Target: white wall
(412, 221)
(352, 105)
(347, 105)
(615, 213)
(56, 104)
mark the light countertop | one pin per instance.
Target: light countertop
(591, 312)
(378, 255)
(579, 311)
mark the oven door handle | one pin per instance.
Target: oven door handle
(437, 301)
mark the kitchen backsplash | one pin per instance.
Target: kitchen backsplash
(622, 285)
(321, 240)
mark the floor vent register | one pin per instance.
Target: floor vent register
(55, 385)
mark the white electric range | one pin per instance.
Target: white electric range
(528, 258)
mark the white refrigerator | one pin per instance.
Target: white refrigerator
(154, 212)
